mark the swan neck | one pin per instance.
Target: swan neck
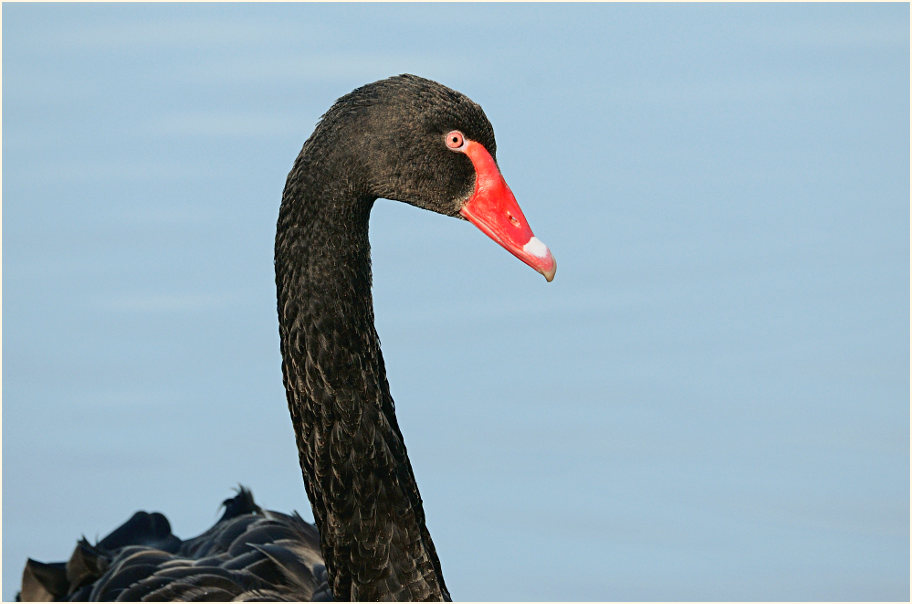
(353, 459)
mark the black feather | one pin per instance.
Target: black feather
(384, 139)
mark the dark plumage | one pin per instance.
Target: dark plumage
(385, 139)
(250, 554)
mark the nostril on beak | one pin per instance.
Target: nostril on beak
(513, 219)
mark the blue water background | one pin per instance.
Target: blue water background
(711, 401)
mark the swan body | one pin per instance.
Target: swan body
(404, 138)
(250, 554)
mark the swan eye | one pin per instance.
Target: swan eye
(455, 140)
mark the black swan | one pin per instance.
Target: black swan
(404, 138)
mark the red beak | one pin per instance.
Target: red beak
(493, 209)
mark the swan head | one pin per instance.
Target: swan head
(413, 140)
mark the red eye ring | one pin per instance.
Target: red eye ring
(455, 140)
